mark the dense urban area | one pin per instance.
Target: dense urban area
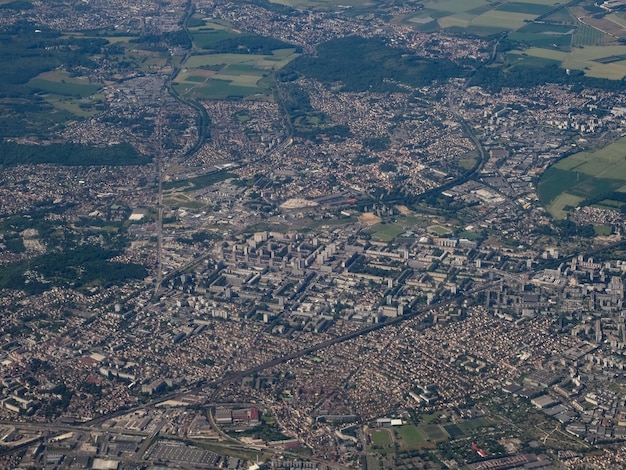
(303, 235)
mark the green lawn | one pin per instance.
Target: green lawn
(387, 232)
(436, 433)
(603, 230)
(439, 230)
(411, 436)
(381, 439)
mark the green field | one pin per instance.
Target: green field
(588, 58)
(328, 4)
(588, 36)
(523, 7)
(456, 6)
(551, 31)
(439, 230)
(502, 19)
(519, 58)
(381, 439)
(454, 431)
(562, 16)
(436, 433)
(198, 182)
(544, 35)
(411, 436)
(582, 176)
(63, 88)
(481, 16)
(603, 230)
(387, 232)
(219, 76)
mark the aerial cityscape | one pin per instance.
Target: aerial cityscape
(296, 234)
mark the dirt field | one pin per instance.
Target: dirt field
(369, 219)
(404, 210)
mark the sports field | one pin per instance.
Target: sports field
(411, 437)
(583, 176)
(381, 439)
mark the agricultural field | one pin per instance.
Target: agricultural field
(585, 177)
(228, 63)
(218, 76)
(61, 83)
(327, 4)
(545, 35)
(587, 35)
(208, 33)
(596, 61)
(480, 16)
(549, 30)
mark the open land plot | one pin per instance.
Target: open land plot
(382, 438)
(411, 437)
(436, 433)
(610, 203)
(460, 20)
(439, 230)
(561, 15)
(205, 39)
(456, 6)
(427, 13)
(547, 28)
(552, 3)
(411, 221)
(603, 230)
(586, 59)
(476, 423)
(368, 218)
(219, 90)
(249, 81)
(535, 9)
(560, 41)
(587, 35)
(404, 210)
(615, 18)
(518, 58)
(582, 176)
(387, 232)
(62, 88)
(558, 207)
(542, 53)
(454, 431)
(325, 4)
(80, 107)
(503, 19)
(277, 59)
(604, 162)
(187, 204)
(218, 76)
(607, 26)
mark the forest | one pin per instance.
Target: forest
(81, 267)
(12, 153)
(377, 66)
